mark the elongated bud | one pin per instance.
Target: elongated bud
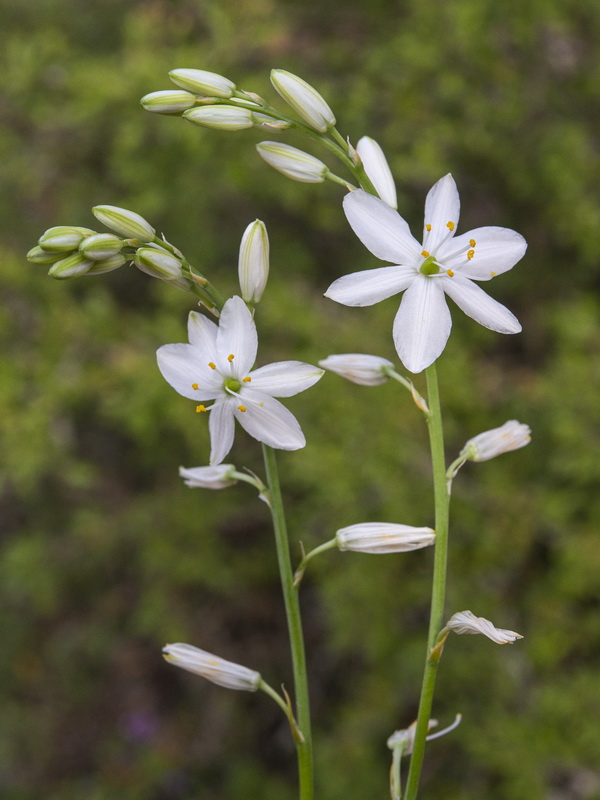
(107, 265)
(169, 101)
(358, 368)
(158, 263)
(70, 267)
(100, 246)
(127, 223)
(223, 118)
(63, 238)
(293, 163)
(215, 669)
(383, 537)
(377, 169)
(510, 436)
(304, 99)
(467, 622)
(253, 263)
(38, 256)
(218, 477)
(202, 82)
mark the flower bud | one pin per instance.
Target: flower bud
(101, 246)
(489, 444)
(169, 101)
(294, 163)
(107, 265)
(215, 669)
(358, 367)
(70, 267)
(158, 263)
(467, 622)
(218, 477)
(377, 169)
(304, 99)
(63, 238)
(223, 118)
(127, 223)
(200, 81)
(253, 263)
(383, 537)
(38, 256)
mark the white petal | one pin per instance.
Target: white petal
(442, 206)
(422, 324)
(377, 169)
(182, 365)
(370, 285)
(202, 333)
(222, 428)
(236, 336)
(270, 422)
(496, 250)
(284, 378)
(381, 229)
(480, 306)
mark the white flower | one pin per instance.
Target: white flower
(489, 444)
(377, 169)
(441, 265)
(467, 622)
(215, 669)
(218, 477)
(304, 99)
(358, 367)
(293, 163)
(383, 537)
(253, 262)
(217, 365)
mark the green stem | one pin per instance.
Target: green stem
(442, 501)
(292, 609)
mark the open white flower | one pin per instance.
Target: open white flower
(217, 365)
(442, 264)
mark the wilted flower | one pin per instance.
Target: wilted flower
(358, 367)
(510, 436)
(383, 537)
(377, 169)
(215, 669)
(218, 477)
(467, 622)
(293, 163)
(304, 99)
(253, 262)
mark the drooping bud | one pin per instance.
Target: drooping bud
(70, 267)
(38, 256)
(293, 163)
(304, 99)
(202, 82)
(169, 101)
(377, 169)
(127, 223)
(358, 368)
(223, 118)
(489, 444)
(158, 263)
(467, 622)
(253, 263)
(100, 246)
(218, 477)
(215, 669)
(383, 537)
(63, 238)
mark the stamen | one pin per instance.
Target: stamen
(424, 253)
(493, 274)
(450, 225)
(470, 254)
(212, 365)
(261, 404)
(427, 227)
(242, 408)
(200, 409)
(246, 380)
(472, 242)
(230, 357)
(450, 273)
(195, 386)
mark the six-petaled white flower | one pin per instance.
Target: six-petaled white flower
(217, 366)
(442, 264)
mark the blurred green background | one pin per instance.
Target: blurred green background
(105, 555)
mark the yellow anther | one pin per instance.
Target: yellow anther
(194, 386)
(472, 242)
(246, 380)
(450, 225)
(424, 253)
(450, 273)
(242, 408)
(470, 254)
(230, 357)
(200, 409)
(261, 404)
(212, 365)
(428, 227)
(493, 273)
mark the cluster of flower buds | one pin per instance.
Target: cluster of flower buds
(71, 251)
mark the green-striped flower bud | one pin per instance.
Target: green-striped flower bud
(223, 118)
(127, 223)
(70, 267)
(253, 262)
(304, 99)
(63, 238)
(100, 246)
(170, 101)
(200, 81)
(158, 263)
(293, 163)
(38, 256)
(107, 265)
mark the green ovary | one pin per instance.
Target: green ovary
(429, 267)
(232, 385)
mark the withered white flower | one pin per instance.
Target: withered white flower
(218, 477)
(489, 444)
(359, 368)
(215, 669)
(383, 537)
(442, 264)
(467, 622)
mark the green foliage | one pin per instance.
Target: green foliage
(104, 554)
